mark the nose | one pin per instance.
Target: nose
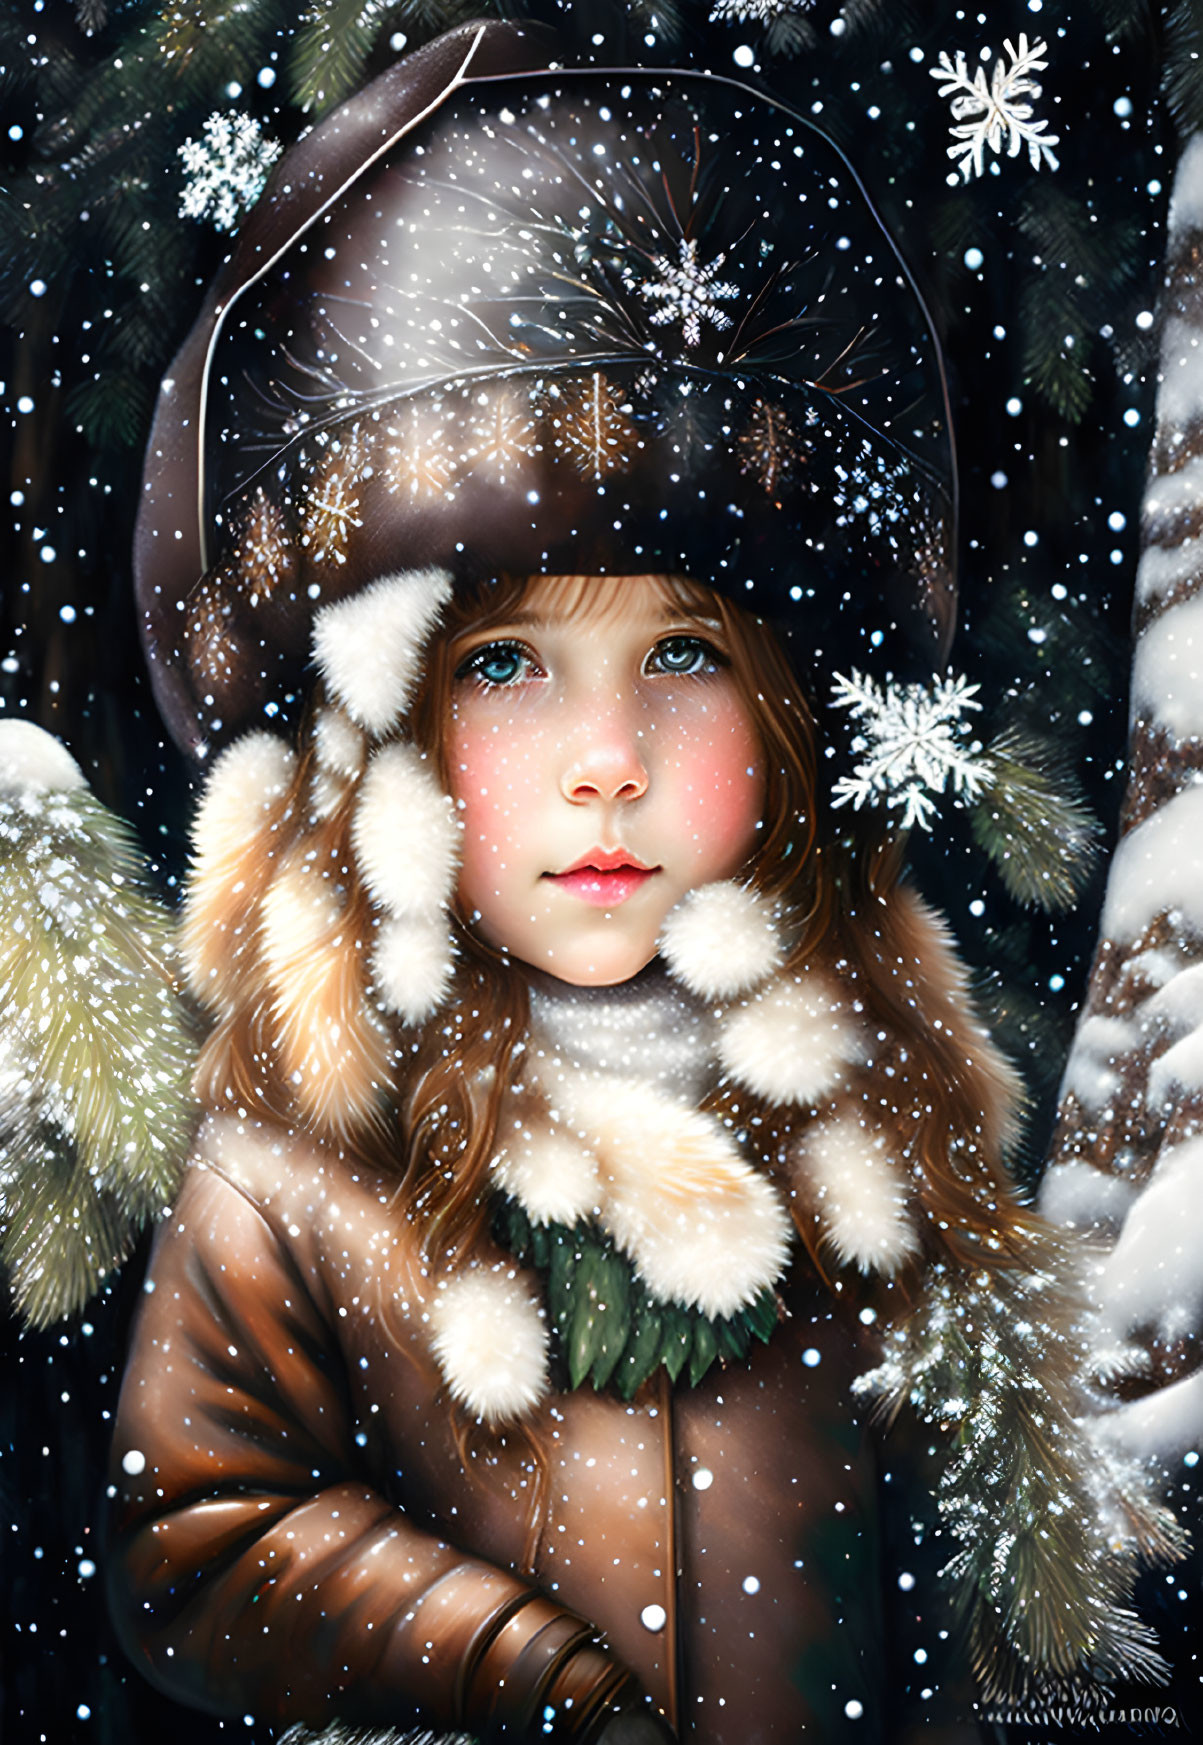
(610, 766)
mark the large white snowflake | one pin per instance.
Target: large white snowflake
(687, 292)
(225, 169)
(989, 113)
(912, 743)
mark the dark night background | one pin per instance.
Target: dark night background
(1043, 285)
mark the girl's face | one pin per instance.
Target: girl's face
(604, 763)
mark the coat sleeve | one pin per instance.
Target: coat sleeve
(251, 1571)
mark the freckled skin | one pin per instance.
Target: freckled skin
(582, 737)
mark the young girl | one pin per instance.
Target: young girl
(580, 1101)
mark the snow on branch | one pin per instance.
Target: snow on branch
(755, 11)
(985, 114)
(1127, 1158)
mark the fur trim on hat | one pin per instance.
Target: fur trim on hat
(793, 1042)
(721, 940)
(405, 834)
(232, 839)
(33, 761)
(338, 743)
(489, 1337)
(412, 964)
(700, 1224)
(326, 793)
(369, 648)
(332, 1049)
(847, 1170)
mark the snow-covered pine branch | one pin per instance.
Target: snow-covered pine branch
(1127, 1159)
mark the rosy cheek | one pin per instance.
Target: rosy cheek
(488, 780)
(720, 800)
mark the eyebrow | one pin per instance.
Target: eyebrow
(525, 619)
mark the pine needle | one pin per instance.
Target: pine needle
(1036, 829)
(330, 50)
(1047, 1542)
(96, 1109)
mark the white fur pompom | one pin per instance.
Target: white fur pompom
(791, 1043)
(245, 788)
(489, 1337)
(338, 743)
(552, 1176)
(369, 648)
(411, 967)
(700, 1224)
(405, 834)
(233, 837)
(721, 940)
(33, 762)
(859, 1192)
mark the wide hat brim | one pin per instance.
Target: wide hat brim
(497, 318)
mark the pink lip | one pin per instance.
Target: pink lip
(604, 877)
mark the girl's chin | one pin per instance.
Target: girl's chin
(606, 968)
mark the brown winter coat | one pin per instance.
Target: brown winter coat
(308, 1538)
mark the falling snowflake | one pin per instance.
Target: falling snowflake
(226, 169)
(687, 292)
(988, 113)
(911, 744)
(755, 11)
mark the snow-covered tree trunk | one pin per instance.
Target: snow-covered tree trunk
(1127, 1160)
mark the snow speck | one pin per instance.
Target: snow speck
(751, 1584)
(133, 1462)
(653, 1618)
(811, 1358)
(703, 1478)
(853, 1709)
(744, 56)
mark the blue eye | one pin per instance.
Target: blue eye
(496, 663)
(683, 656)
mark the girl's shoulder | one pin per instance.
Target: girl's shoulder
(308, 1193)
